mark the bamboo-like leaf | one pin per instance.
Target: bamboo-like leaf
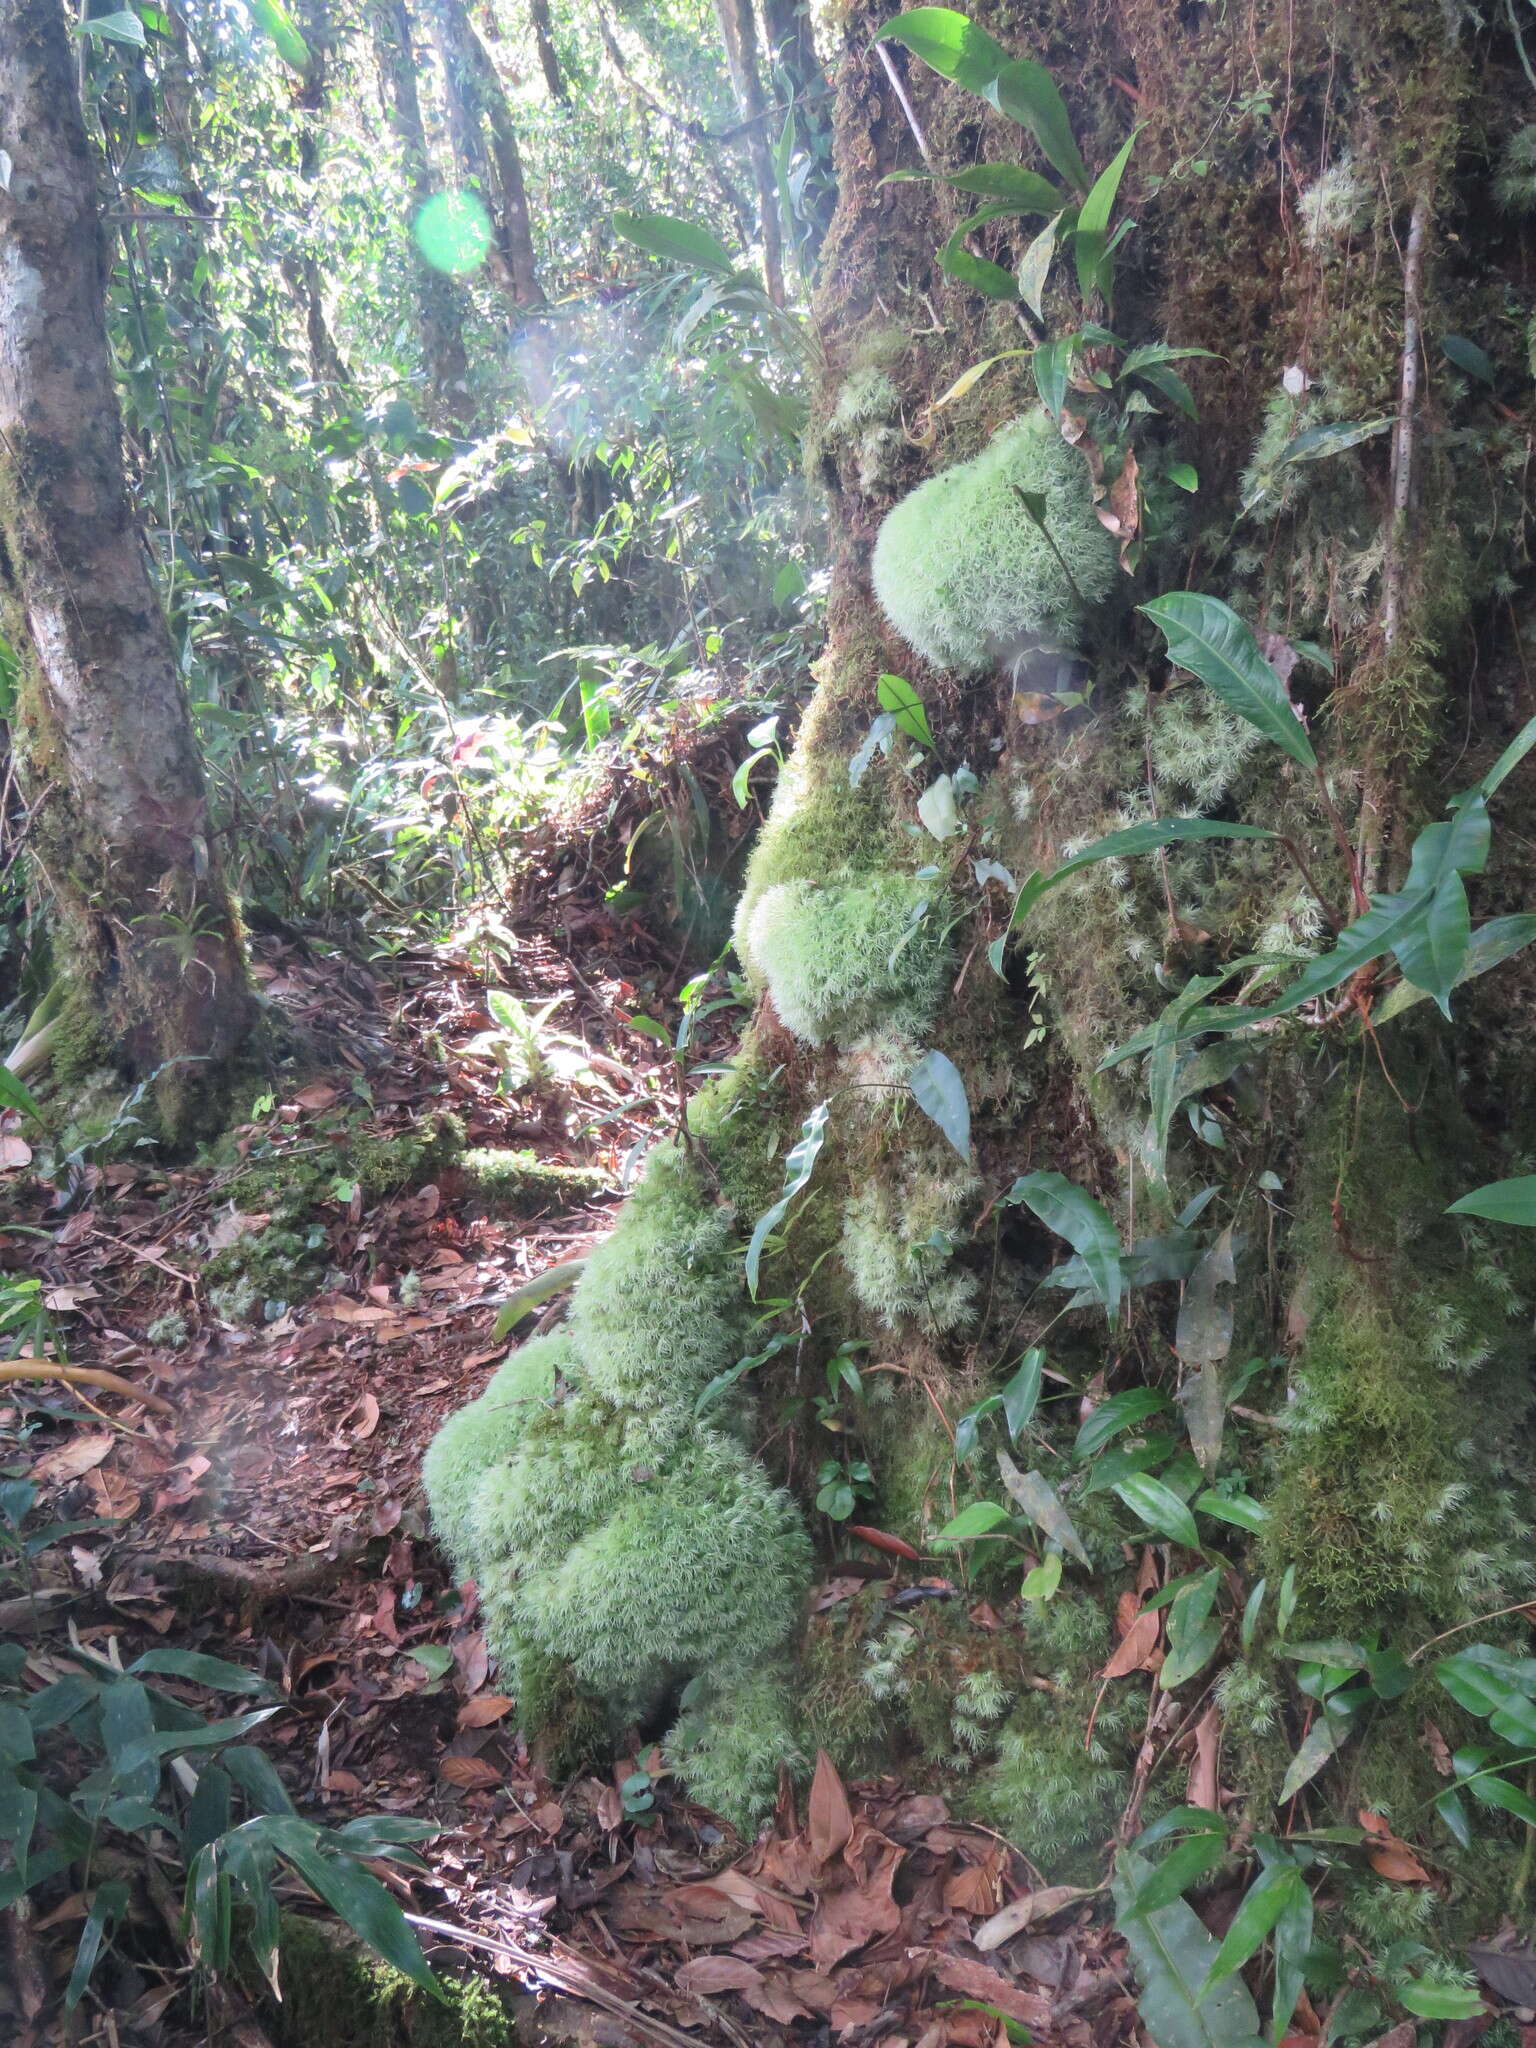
(798, 1166)
(1203, 1339)
(1035, 267)
(676, 241)
(1173, 1953)
(1159, 1507)
(1208, 638)
(1501, 1201)
(1052, 362)
(282, 28)
(1265, 1901)
(1092, 237)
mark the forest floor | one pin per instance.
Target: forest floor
(262, 1503)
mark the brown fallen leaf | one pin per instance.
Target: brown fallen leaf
(971, 1890)
(1203, 1788)
(773, 1998)
(1140, 1641)
(549, 1816)
(70, 1459)
(368, 1418)
(318, 1095)
(879, 1539)
(14, 1152)
(481, 1712)
(470, 1773)
(1029, 1911)
(706, 1974)
(830, 1818)
(977, 1980)
(1389, 1855)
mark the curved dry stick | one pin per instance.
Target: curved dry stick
(83, 1376)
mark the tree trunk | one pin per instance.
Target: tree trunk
(121, 842)
(549, 56)
(738, 32)
(439, 302)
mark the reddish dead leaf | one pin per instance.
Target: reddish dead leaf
(1439, 1750)
(14, 1152)
(342, 1781)
(707, 1974)
(834, 1592)
(1140, 1641)
(470, 1773)
(610, 1810)
(384, 1614)
(847, 1918)
(318, 1095)
(830, 1819)
(770, 1943)
(972, 1890)
(975, 1980)
(1390, 1856)
(773, 1998)
(481, 1712)
(549, 1815)
(848, 2013)
(985, 1616)
(1203, 1788)
(68, 1460)
(878, 1539)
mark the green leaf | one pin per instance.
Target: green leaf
(1454, 1814)
(1074, 1214)
(1183, 1866)
(283, 30)
(969, 379)
(1051, 364)
(1120, 1411)
(741, 781)
(1495, 1791)
(981, 1518)
(897, 696)
(203, 1670)
(1041, 1502)
(1173, 1953)
(1035, 267)
(1010, 185)
(676, 241)
(948, 43)
(1509, 760)
(109, 1903)
(935, 1082)
(122, 27)
(1027, 93)
(436, 1659)
(14, 1094)
(1125, 845)
(1208, 638)
(146, 1750)
(1501, 1201)
(1500, 939)
(1252, 1608)
(1466, 355)
(349, 1891)
(1440, 2001)
(798, 1165)
(1238, 1509)
(979, 272)
(1159, 1507)
(1326, 1736)
(1193, 1635)
(1496, 1687)
(1267, 1898)
(1092, 238)
(1185, 475)
(1021, 1395)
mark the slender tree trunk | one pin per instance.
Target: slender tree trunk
(121, 843)
(790, 47)
(738, 32)
(439, 302)
(549, 56)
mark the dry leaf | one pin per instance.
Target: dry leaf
(472, 1773)
(1026, 1912)
(976, 1980)
(830, 1819)
(1390, 1856)
(318, 1095)
(14, 1152)
(878, 1539)
(549, 1815)
(368, 1418)
(972, 1890)
(1140, 1641)
(1203, 1789)
(481, 1712)
(69, 1460)
(706, 1974)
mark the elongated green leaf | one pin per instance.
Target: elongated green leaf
(148, 1749)
(969, 379)
(1468, 356)
(1202, 1339)
(1125, 845)
(122, 27)
(979, 272)
(1326, 1736)
(1159, 1507)
(1496, 1791)
(1035, 267)
(203, 1670)
(897, 696)
(1194, 1634)
(1277, 1889)
(347, 1889)
(676, 241)
(981, 1518)
(1120, 1411)
(1173, 1953)
(1440, 2001)
(15, 1095)
(799, 1164)
(1496, 1687)
(1027, 93)
(1152, 353)
(1041, 1502)
(949, 43)
(1501, 1201)
(1291, 1944)
(935, 1082)
(1074, 1214)
(1092, 238)
(1208, 638)
(1509, 760)
(1240, 1509)
(282, 28)
(1020, 191)
(1489, 946)
(1021, 1396)
(109, 1903)
(1183, 1866)
(1253, 1607)
(1433, 953)
(1051, 365)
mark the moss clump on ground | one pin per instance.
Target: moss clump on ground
(338, 1994)
(966, 576)
(732, 1743)
(621, 1546)
(486, 1432)
(520, 1184)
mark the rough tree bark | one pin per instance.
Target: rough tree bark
(439, 302)
(121, 843)
(738, 32)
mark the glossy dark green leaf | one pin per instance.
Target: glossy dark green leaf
(1160, 1508)
(1120, 1411)
(676, 241)
(1208, 638)
(940, 1094)
(897, 696)
(1263, 1903)
(1183, 1866)
(1501, 1201)
(1021, 1395)
(1172, 1953)
(1085, 1223)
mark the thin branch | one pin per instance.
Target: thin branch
(906, 106)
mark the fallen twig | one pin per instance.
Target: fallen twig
(83, 1376)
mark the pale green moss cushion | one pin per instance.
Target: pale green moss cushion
(851, 958)
(485, 1434)
(966, 576)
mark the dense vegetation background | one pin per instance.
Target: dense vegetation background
(1064, 1353)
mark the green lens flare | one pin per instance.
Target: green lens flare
(453, 232)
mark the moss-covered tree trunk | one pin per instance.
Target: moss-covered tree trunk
(1304, 392)
(120, 840)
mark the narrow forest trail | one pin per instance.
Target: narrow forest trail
(263, 1505)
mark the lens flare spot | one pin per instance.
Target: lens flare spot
(453, 232)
